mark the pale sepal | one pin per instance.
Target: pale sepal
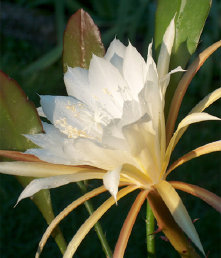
(183, 85)
(52, 182)
(207, 196)
(89, 223)
(202, 150)
(165, 50)
(128, 225)
(40, 169)
(188, 120)
(64, 213)
(178, 211)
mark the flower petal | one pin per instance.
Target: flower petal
(207, 101)
(183, 85)
(111, 181)
(190, 119)
(90, 153)
(64, 213)
(39, 169)
(165, 50)
(178, 211)
(77, 84)
(72, 117)
(134, 70)
(144, 146)
(52, 182)
(128, 224)
(16, 155)
(164, 81)
(116, 47)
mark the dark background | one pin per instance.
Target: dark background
(30, 31)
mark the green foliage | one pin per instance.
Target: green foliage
(18, 116)
(190, 17)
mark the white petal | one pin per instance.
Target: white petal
(72, 117)
(117, 61)
(152, 74)
(183, 125)
(134, 70)
(144, 146)
(165, 50)
(37, 169)
(40, 112)
(116, 47)
(77, 84)
(111, 181)
(105, 81)
(52, 182)
(164, 81)
(90, 153)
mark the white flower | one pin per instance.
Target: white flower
(111, 126)
(113, 114)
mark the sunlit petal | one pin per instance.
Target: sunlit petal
(165, 50)
(183, 85)
(52, 182)
(116, 47)
(16, 155)
(190, 119)
(111, 181)
(39, 169)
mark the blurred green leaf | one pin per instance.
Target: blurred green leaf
(81, 40)
(18, 116)
(44, 61)
(190, 17)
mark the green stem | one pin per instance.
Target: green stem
(97, 226)
(150, 222)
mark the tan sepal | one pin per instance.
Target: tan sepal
(183, 85)
(207, 196)
(169, 227)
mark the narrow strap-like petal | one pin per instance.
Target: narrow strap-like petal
(16, 155)
(178, 211)
(52, 182)
(207, 196)
(64, 213)
(89, 223)
(165, 50)
(202, 150)
(41, 169)
(128, 225)
(188, 120)
(183, 85)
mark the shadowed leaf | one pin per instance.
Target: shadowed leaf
(190, 19)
